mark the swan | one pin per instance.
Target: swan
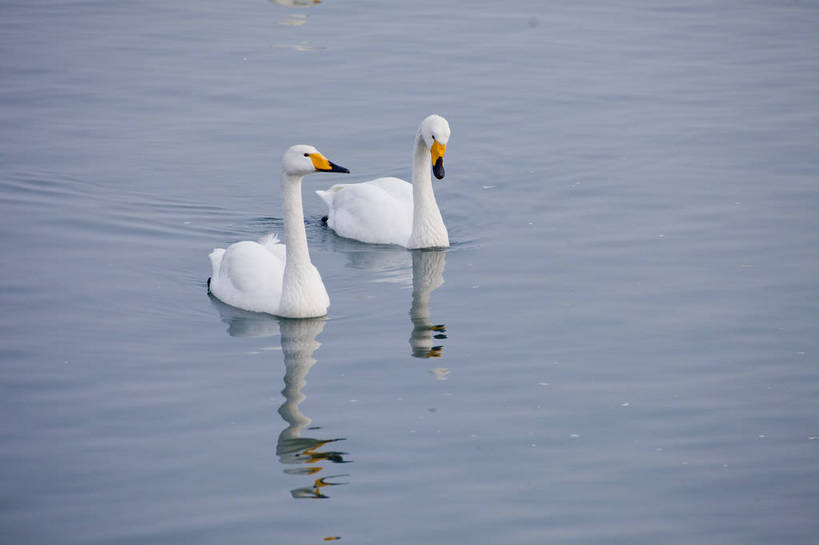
(268, 276)
(390, 210)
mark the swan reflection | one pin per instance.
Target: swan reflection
(392, 264)
(295, 19)
(384, 263)
(427, 276)
(298, 343)
(242, 323)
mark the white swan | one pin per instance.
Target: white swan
(268, 276)
(390, 210)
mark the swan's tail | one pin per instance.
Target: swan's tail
(327, 196)
(270, 241)
(215, 262)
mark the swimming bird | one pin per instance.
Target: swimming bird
(391, 210)
(268, 276)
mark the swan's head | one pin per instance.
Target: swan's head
(435, 132)
(301, 160)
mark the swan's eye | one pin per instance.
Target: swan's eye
(307, 155)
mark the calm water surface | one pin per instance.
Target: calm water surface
(621, 346)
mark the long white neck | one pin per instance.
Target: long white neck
(295, 235)
(428, 229)
(303, 292)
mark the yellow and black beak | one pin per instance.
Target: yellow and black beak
(438, 150)
(321, 163)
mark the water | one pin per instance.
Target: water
(620, 346)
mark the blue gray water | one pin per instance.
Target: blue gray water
(621, 346)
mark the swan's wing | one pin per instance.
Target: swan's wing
(379, 211)
(249, 276)
(396, 187)
(327, 196)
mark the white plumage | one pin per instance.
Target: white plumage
(378, 211)
(248, 275)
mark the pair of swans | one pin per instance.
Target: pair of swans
(280, 279)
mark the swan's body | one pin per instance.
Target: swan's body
(378, 211)
(390, 210)
(268, 276)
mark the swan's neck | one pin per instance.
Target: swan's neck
(295, 235)
(303, 292)
(428, 229)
